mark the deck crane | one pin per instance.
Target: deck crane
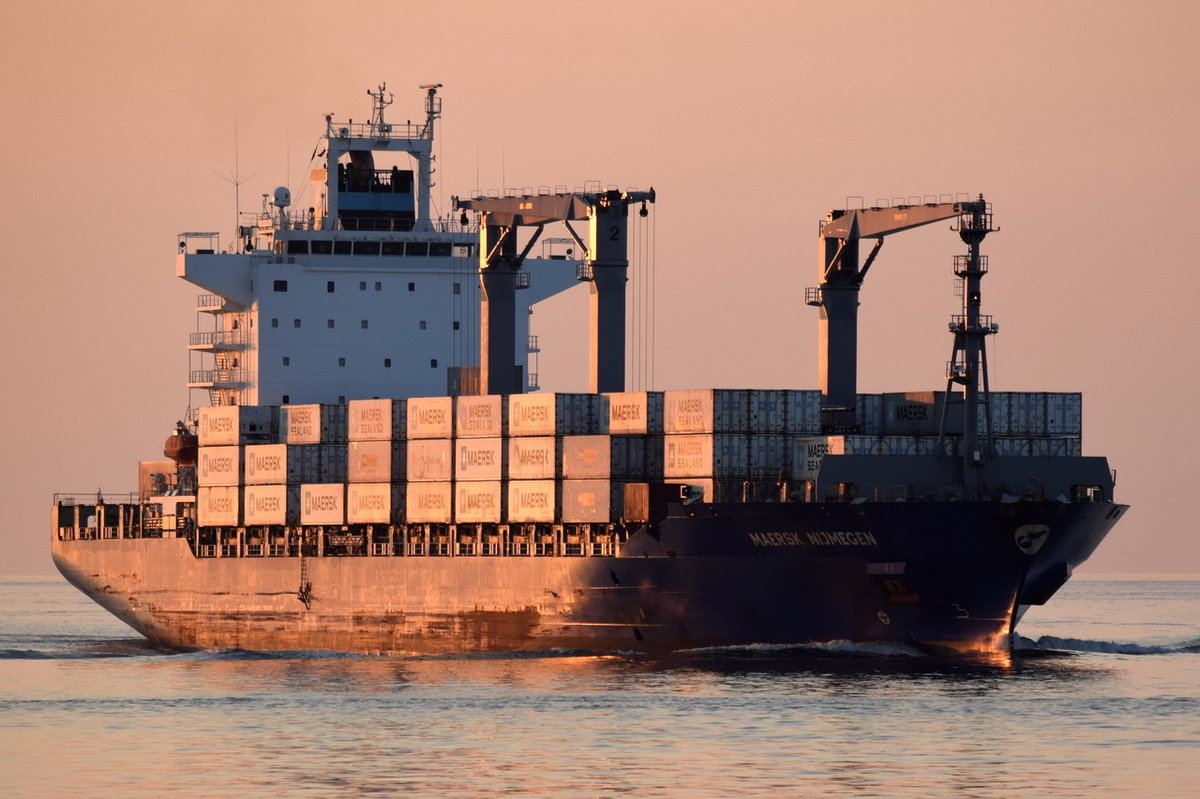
(837, 297)
(605, 265)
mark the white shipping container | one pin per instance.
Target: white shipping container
(376, 420)
(478, 502)
(313, 424)
(480, 416)
(323, 503)
(237, 424)
(721, 455)
(271, 504)
(218, 506)
(631, 412)
(552, 414)
(804, 411)
(428, 503)
(374, 503)
(376, 461)
(479, 459)
(532, 500)
(710, 410)
(534, 458)
(808, 453)
(219, 466)
(430, 417)
(595, 501)
(430, 460)
(267, 464)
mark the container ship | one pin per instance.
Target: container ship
(374, 469)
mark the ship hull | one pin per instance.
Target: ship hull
(939, 575)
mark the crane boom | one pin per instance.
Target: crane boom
(841, 278)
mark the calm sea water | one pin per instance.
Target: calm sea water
(1101, 697)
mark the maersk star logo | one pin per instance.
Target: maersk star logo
(1031, 537)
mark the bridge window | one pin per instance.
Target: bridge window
(393, 248)
(322, 247)
(439, 248)
(417, 248)
(281, 285)
(366, 248)
(297, 247)
(341, 248)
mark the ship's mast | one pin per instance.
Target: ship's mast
(968, 357)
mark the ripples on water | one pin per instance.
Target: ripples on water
(1098, 697)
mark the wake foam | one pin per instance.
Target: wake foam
(1050, 643)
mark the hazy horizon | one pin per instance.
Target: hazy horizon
(1077, 120)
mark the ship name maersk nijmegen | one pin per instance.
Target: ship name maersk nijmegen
(369, 475)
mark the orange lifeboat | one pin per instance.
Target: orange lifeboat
(181, 445)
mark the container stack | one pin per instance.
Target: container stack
(568, 458)
(223, 433)
(376, 461)
(735, 443)
(429, 459)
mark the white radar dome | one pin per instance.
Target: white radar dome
(283, 197)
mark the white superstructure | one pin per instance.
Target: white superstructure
(360, 293)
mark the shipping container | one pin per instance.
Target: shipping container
(721, 455)
(429, 460)
(267, 464)
(478, 502)
(323, 503)
(803, 411)
(808, 453)
(237, 424)
(594, 501)
(218, 506)
(219, 466)
(768, 409)
(375, 503)
(430, 417)
(482, 416)
(479, 458)
(710, 410)
(333, 463)
(313, 424)
(604, 457)
(769, 456)
(553, 414)
(532, 501)
(870, 415)
(376, 461)
(534, 458)
(428, 503)
(271, 505)
(376, 420)
(631, 413)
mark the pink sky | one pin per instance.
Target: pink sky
(1077, 120)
